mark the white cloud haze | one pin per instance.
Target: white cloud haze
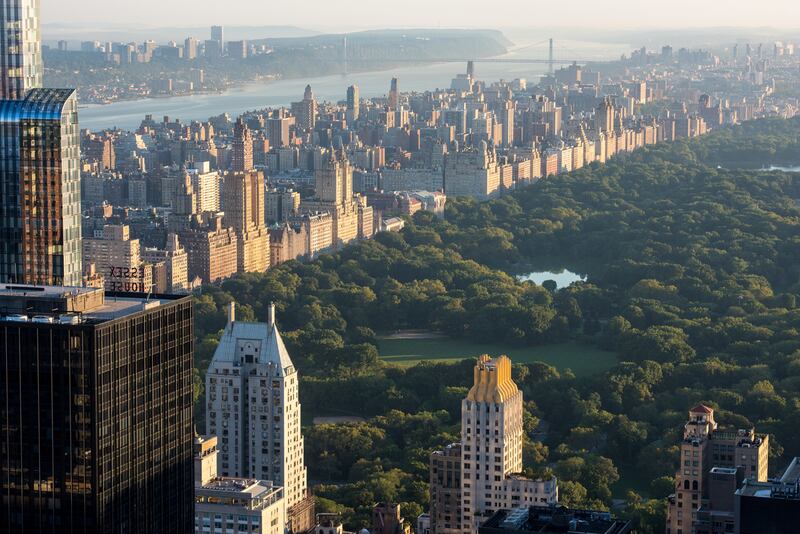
(351, 14)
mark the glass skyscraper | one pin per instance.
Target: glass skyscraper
(40, 189)
(20, 48)
(40, 202)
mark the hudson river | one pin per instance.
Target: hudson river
(128, 115)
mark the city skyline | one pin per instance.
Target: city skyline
(346, 15)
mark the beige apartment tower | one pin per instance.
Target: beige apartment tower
(704, 450)
(252, 403)
(491, 456)
(243, 202)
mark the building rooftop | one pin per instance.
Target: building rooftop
(787, 487)
(701, 408)
(245, 492)
(72, 305)
(262, 341)
(553, 519)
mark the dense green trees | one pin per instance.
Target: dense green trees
(693, 278)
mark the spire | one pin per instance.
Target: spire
(271, 314)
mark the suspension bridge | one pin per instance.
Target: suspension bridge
(361, 56)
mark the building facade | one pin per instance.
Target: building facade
(491, 457)
(223, 504)
(21, 67)
(252, 403)
(703, 448)
(40, 189)
(97, 411)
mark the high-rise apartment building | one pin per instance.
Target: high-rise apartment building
(218, 35)
(334, 194)
(305, 111)
(491, 447)
(176, 263)
(394, 95)
(21, 67)
(238, 49)
(96, 411)
(212, 248)
(472, 172)
(353, 103)
(119, 259)
(243, 202)
(252, 403)
(205, 183)
(487, 477)
(604, 116)
(190, 46)
(445, 490)
(278, 129)
(242, 148)
(705, 447)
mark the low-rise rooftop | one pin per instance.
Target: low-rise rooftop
(553, 519)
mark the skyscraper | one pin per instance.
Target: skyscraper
(704, 447)
(491, 456)
(243, 202)
(306, 110)
(190, 48)
(353, 103)
(40, 202)
(218, 35)
(40, 192)
(242, 149)
(252, 403)
(394, 96)
(21, 66)
(96, 411)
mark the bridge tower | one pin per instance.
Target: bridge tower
(344, 54)
(550, 59)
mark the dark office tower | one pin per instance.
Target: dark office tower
(242, 149)
(96, 412)
(40, 191)
(471, 70)
(20, 48)
(394, 96)
(353, 103)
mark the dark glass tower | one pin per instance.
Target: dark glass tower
(95, 412)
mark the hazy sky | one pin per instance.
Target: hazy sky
(350, 14)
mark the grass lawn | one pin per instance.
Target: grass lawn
(582, 359)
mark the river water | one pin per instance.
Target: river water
(127, 115)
